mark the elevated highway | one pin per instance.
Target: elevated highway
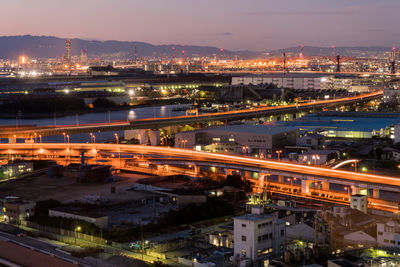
(166, 155)
(156, 123)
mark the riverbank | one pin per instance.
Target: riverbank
(146, 103)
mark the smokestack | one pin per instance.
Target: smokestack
(284, 62)
(338, 63)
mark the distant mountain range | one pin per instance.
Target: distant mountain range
(53, 47)
(11, 47)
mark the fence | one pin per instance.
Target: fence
(66, 235)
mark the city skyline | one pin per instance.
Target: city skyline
(242, 26)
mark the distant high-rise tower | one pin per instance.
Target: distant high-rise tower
(135, 53)
(84, 58)
(68, 50)
(393, 61)
(338, 63)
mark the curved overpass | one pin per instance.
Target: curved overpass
(165, 155)
(155, 123)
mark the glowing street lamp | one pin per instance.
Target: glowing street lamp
(291, 182)
(245, 150)
(116, 138)
(348, 190)
(77, 229)
(315, 158)
(92, 138)
(184, 143)
(279, 154)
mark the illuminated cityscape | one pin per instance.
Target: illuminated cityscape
(206, 134)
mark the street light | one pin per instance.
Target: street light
(64, 137)
(117, 138)
(355, 165)
(315, 158)
(68, 138)
(347, 189)
(77, 229)
(279, 154)
(245, 150)
(184, 143)
(92, 138)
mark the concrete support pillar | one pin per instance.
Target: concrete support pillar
(196, 170)
(375, 193)
(154, 137)
(305, 186)
(12, 140)
(262, 180)
(325, 186)
(280, 179)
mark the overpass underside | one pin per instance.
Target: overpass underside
(309, 180)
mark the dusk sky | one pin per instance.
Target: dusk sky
(231, 24)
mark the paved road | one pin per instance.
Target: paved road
(9, 233)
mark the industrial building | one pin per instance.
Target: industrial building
(97, 219)
(283, 80)
(8, 171)
(259, 140)
(388, 234)
(17, 210)
(301, 81)
(257, 236)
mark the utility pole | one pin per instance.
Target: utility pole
(141, 234)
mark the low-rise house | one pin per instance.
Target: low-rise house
(17, 210)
